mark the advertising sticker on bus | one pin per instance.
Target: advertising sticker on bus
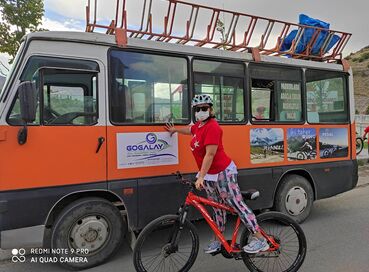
(301, 143)
(267, 145)
(146, 149)
(333, 142)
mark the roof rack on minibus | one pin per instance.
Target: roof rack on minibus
(243, 33)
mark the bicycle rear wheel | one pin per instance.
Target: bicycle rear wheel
(359, 145)
(288, 234)
(154, 249)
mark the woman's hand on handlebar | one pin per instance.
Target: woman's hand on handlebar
(199, 183)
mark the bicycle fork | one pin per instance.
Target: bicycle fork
(178, 227)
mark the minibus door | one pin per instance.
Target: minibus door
(65, 143)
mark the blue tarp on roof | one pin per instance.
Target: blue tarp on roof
(308, 34)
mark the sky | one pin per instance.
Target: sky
(334, 136)
(347, 16)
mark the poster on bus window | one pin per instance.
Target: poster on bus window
(301, 144)
(333, 142)
(290, 101)
(146, 149)
(267, 145)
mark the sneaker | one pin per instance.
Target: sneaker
(256, 245)
(214, 246)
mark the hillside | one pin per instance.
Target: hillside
(359, 62)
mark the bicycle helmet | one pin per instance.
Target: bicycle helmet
(201, 99)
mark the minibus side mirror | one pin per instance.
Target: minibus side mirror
(28, 101)
(27, 94)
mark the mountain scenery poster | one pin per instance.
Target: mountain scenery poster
(267, 145)
(333, 142)
(301, 143)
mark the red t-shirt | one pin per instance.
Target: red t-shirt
(209, 134)
(366, 130)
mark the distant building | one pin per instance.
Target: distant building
(2, 81)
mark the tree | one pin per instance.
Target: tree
(18, 17)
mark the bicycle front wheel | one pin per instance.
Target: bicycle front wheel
(163, 246)
(288, 234)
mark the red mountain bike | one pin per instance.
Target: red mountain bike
(171, 242)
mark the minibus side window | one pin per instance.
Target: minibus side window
(326, 97)
(224, 83)
(276, 94)
(69, 97)
(67, 92)
(262, 97)
(148, 88)
(15, 115)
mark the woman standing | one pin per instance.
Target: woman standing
(217, 172)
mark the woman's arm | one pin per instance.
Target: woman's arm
(171, 129)
(211, 150)
(363, 137)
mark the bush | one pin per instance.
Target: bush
(364, 57)
(367, 110)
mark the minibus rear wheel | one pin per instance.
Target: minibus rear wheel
(294, 197)
(87, 232)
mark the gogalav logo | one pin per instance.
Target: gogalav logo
(151, 143)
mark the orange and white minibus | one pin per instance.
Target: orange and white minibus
(85, 157)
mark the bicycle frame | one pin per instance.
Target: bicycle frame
(198, 201)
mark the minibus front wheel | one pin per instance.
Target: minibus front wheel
(87, 232)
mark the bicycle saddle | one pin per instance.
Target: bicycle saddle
(251, 194)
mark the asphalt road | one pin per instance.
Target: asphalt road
(337, 233)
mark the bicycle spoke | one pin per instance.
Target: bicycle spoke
(152, 265)
(152, 259)
(176, 259)
(175, 262)
(159, 265)
(176, 268)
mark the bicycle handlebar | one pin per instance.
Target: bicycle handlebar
(184, 181)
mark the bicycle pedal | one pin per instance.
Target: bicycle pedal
(238, 256)
(216, 252)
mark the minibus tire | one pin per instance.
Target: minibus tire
(300, 186)
(87, 220)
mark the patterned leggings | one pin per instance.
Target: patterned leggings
(226, 190)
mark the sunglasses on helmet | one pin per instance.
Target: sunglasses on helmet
(204, 108)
